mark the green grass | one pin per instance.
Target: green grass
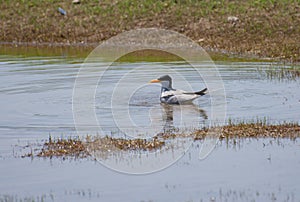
(84, 51)
(45, 51)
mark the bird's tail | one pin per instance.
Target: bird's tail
(201, 92)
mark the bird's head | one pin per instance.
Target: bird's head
(166, 81)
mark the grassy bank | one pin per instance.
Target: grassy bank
(261, 27)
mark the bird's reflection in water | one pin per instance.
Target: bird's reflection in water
(136, 156)
(178, 118)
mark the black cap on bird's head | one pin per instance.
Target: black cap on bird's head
(165, 80)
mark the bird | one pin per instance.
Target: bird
(169, 95)
(62, 11)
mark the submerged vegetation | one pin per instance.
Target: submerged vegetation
(256, 27)
(281, 73)
(79, 148)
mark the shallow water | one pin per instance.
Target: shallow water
(36, 94)
(241, 173)
(36, 100)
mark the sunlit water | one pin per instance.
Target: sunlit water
(36, 100)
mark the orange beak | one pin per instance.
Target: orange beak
(155, 81)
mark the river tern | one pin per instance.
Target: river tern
(169, 95)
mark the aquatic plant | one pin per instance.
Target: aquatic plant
(81, 148)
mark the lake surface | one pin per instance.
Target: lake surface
(36, 100)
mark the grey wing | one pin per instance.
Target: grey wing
(183, 96)
(173, 100)
(169, 97)
(201, 92)
(177, 97)
(186, 97)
